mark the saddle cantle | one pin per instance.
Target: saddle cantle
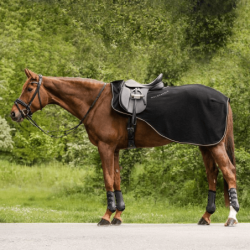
(133, 99)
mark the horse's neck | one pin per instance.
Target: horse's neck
(73, 94)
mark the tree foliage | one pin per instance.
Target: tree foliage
(190, 41)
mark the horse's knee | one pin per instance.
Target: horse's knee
(120, 205)
(211, 202)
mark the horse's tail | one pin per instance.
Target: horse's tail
(229, 144)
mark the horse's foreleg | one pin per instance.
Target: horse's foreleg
(107, 157)
(229, 173)
(120, 205)
(212, 173)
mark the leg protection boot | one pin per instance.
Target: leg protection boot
(234, 199)
(120, 205)
(211, 202)
(111, 201)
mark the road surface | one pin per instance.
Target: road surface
(71, 236)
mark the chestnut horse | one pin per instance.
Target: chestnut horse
(107, 130)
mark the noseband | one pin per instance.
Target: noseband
(27, 111)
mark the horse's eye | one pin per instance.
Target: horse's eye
(30, 89)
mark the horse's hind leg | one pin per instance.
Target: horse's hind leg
(212, 173)
(221, 153)
(120, 205)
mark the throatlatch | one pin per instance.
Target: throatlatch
(120, 205)
(111, 201)
(211, 202)
(233, 199)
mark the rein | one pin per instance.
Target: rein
(26, 113)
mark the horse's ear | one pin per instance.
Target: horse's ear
(31, 74)
(27, 72)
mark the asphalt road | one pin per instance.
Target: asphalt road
(73, 236)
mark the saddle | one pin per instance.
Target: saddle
(133, 99)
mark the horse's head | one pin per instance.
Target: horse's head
(33, 97)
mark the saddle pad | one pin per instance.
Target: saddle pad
(191, 114)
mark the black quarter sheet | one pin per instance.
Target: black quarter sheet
(192, 114)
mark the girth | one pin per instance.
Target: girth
(133, 99)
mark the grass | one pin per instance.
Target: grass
(56, 193)
(37, 205)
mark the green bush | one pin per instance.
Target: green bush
(6, 142)
(243, 173)
(39, 148)
(175, 172)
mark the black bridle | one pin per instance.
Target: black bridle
(26, 113)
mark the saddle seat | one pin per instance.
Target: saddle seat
(154, 85)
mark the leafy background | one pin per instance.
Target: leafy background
(189, 41)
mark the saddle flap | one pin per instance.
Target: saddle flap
(130, 97)
(124, 97)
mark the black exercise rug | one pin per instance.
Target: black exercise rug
(193, 114)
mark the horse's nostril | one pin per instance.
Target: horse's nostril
(13, 114)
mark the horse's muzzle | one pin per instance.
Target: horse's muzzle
(16, 116)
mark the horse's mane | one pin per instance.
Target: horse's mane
(76, 78)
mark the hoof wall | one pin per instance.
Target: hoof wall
(202, 221)
(103, 222)
(116, 222)
(230, 222)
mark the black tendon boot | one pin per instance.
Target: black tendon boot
(211, 202)
(111, 201)
(233, 199)
(120, 205)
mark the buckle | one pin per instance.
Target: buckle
(131, 144)
(25, 113)
(131, 129)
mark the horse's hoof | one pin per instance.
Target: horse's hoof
(230, 222)
(202, 221)
(116, 222)
(103, 222)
